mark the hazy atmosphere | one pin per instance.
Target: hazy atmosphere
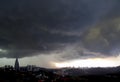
(60, 33)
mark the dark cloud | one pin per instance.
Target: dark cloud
(31, 27)
(104, 37)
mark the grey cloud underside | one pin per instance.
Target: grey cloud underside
(32, 27)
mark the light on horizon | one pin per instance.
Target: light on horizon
(91, 62)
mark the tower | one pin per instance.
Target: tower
(16, 65)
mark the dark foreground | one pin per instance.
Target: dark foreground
(48, 76)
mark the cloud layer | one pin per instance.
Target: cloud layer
(84, 28)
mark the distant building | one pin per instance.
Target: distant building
(31, 67)
(8, 68)
(16, 66)
(23, 69)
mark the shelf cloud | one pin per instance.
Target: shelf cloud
(72, 28)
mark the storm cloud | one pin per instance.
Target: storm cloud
(84, 28)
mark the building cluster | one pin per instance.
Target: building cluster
(32, 73)
(16, 67)
(29, 73)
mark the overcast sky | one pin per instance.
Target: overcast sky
(44, 31)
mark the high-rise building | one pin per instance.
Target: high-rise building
(16, 65)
